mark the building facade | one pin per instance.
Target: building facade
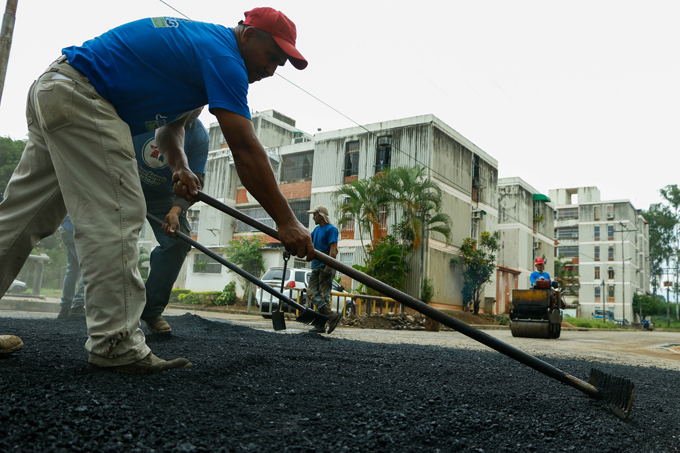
(607, 243)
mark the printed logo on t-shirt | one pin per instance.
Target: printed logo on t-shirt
(152, 156)
(165, 22)
(160, 121)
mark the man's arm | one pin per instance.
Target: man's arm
(170, 142)
(257, 176)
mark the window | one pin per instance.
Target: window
(299, 208)
(477, 185)
(567, 232)
(347, 230)
(611, 293)
(351, 158)
(567, 213)
(597, 253)
(192, 218)
(610, 254)
(567, 252)
(300, 264)
(610, 273)
(203, 264)
(596, 232)
(596, 213)
(610, 212)
(597, 273)
(297, 167)
(598, 292)
(610, 232)
(346, 258)
(383, 153)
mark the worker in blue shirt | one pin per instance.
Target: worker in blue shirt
(539, 273)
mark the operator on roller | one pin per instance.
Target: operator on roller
(538, 273)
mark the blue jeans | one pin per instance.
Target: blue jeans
(69, 296)
(166, 260)
(320, 286)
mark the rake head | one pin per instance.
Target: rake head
(616, 391)
(312, 317)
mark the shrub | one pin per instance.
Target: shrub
(207, 298)
(175, 293)
(228, 296)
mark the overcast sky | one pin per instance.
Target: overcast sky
(562, 94)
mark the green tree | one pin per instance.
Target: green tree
(662, 223)
(651, 304)
(566, 277)
(360, 203)
(671, 194)
(246, 251)
(386, 264)
(10, 154)
(478, 261)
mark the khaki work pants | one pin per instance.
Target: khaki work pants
(79, 158)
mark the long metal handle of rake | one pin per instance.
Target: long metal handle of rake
(484, 338)
(231, 266)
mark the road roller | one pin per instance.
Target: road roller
(535, 312)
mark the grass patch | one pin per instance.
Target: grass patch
(591, 323)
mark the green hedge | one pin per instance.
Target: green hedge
(207, 298)
(175, 293)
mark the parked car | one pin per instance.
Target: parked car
(295, 278)
(17, 287)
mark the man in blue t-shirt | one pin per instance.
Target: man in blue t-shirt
(79, 157)
(72, 300)
(538, 273)
(325, 239)
(156, 177)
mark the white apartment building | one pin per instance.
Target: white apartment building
(607, 243)
(526, 224)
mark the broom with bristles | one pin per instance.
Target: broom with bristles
(617, 392)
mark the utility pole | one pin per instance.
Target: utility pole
(6, 39)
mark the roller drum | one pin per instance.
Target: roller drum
(530, 329)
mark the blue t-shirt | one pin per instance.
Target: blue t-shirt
(154, 172)
(155, 70)
(535, 275)
(322, 238)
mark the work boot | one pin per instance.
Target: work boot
(77, 313)
(319, 329)
(148, 365)
(333, 320)
(158, 325)
(10, 343)
(64, 312)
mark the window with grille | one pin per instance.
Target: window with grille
(203, 264)
(346, 258)
(568, 252)
(598, 292)
(567, 233)
(597, 273)
(301, 264)
(611, 293)
(596, 213)
(611, 254)
(567, 213)
(596, 253)
(351, 158)
(299, 208)
(610, 232)
(610, 212)
(596, 232)
(610, 273)
(297, 167)
(383, 153)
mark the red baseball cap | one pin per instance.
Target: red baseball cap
(282, 30)
(539, 260)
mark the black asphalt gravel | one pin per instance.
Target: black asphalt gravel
(255, 391)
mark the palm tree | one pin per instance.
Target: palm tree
(360, 204)
(416, 195)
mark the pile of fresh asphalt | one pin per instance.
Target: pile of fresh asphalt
(257, 391)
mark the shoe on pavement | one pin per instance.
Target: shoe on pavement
(64, 311)
(158, 325)
(78, 313)
(10, 344)
(320, 329)
(333, 322)
(148, 365)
